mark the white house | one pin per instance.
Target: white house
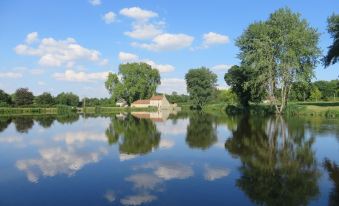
(121, 103)
(159, 101)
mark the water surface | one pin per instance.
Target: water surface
(161, 159)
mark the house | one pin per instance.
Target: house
(159, 101)
(159, 116)
(121, 103)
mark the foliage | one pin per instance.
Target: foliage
(225, 96)
(333, 50)
(279, 51)
(176, 98)
(315, 93)
(200, 84)
(5, 99)
(45, 99)
(328, 88)
(138, 81)
(23, 97)
(300, 91)
(68, 99)
(238, 78)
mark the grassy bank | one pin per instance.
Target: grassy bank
(5, 111)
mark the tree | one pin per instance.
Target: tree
(68, 99)
(315, 93)
(201, 83)
(327, 88)
(300, 91)
(238, 78)
(5, 99)
(23, 96)
(333, 50)
(279, 52)
(45, 99)
(138, 81)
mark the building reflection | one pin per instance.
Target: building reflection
(278, 165)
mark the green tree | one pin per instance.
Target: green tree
(327, 88)
(279, 51)
(23, 123)
(333, 50)
(238, 79)
(5, 99)
(23, 96)
(138, 81)
(200, 83)
(315, 93)
(300, 91)
(333, 172)
(44, 99)
(68, 99)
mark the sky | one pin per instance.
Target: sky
(70, 46)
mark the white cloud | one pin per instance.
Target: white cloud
(221, 67)
(144, 30)
(109, 196)
(124, 157)
(163, 68)
(36, 71)
(166, 143)
(95, 2)
(212, 38)
(138, 199)
(167, 42)
(56, 53)
(169, 85)
(70, 75)
(80, 137)
(174, 171)
(127, 57)
(109, 17)
(31, 37)
(41, 83)
(138, 13)
(212, 174)
(144, 181)
(11, 75)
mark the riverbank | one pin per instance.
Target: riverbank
(4, 111)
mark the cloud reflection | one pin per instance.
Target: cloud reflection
(138, 199)
(212, 174)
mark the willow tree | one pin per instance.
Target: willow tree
(137, 81)
(279, 51)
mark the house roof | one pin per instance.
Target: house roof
(158, 97)
(142, 101)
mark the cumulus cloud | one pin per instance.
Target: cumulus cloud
(31, 37)
(109, 17)
(166, 42)
(11, 75)
(125, 57)
(95, 2)
(138, 13)
(141, 30)
(80, 137)
(55, 161)
(212, 38)
(221, 67)
(56, 53)
(169, 85)
(138, 199)
(212, 174)
(72, 76)
(144, 181)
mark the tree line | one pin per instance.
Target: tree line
(23, 97)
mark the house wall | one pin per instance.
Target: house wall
(140, 105)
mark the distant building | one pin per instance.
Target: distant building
(159, 101)
(121, 103)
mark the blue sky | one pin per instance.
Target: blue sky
(64, 45)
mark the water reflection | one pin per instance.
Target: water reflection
(23, 123)
(278, 164)
(333, 172)
(4, 122)
(136, 135)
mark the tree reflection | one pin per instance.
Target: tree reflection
(333, 172)
(4, 122)
(200, 132)
(67, 119)
(23, 123)
(45, 121)
(137, 136)
(278, 164)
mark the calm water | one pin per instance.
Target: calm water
(152, 159)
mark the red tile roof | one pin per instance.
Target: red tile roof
(142, 101)
(157, 97)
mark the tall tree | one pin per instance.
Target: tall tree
(333, 50)
(138, 81)
(23, 96)
(45, 99)
(68, 99)
(279, 51)
(201, 83)
(5, 99)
